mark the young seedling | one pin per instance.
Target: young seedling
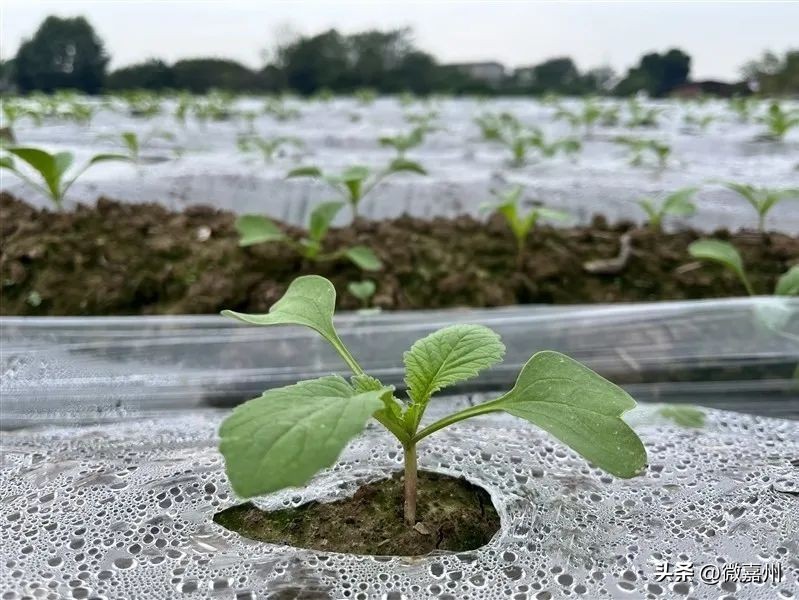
(284, 437)
(354, 183)
(51, 168)
(743, 107)
(133, 144)
(727, 255)
(641, 148)
(779, 122)
(676, 204)
(268, 148)
(509, 131)
(698, 121)
(402, 143)
(509, 206)
(640, 116)
(588, 116)
(762, 199)
(255, 229)
(277, 109)
(362, 290)
(365, 96)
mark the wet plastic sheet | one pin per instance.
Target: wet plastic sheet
(739, 354)
(463, 169)
(125, 511)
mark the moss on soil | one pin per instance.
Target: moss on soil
(452, 515)
(116, 258)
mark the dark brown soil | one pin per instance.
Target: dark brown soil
(116, 258)
(452, 514)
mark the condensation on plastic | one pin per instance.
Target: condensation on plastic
(125, 511)
(463, 169)
(738, 354)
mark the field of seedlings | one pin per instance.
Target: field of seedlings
(190, 204)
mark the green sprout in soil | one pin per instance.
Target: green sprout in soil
(268, 148)
(762, 199)
(363, 291)
(284, 437)
(256, 229)
(779, 122)
(509, 206)
(726, 254)
(355, 182)
(641, 149)
(676, 204)
(51, 168)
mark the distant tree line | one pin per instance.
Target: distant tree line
(68, 54)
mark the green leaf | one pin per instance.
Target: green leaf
(551, 214)
(679, 203)
(310, 301)
(283, 438)
(685, 416)
(304, 172)
(131, 140)
(580, 408)
(353, 174)
(255, 229)
(448, 356)
(98, 158)
(788, 284)
(650, 210)
(364, 258)
(6, 162)
(402, 164)
(321, 217)
(363, 290)
(720, 252)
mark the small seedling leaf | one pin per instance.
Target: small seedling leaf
(283, 438)
(363, 290)
(98, 158)
(401, 164)
(255, 229)
(684, 416)
(788, 284)
(304, 172)
(720, 252)
(448, 356)
(580, 408)
(364, 258)
(310, 301)
(321, 217)
(679, 203)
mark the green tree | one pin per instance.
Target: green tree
(153, 74)
(656, 74)
(63, 53)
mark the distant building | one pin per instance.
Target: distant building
(722, 89)
(492, 73)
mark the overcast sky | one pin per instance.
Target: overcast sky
(720, 36)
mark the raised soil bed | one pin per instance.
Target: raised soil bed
(116, 258)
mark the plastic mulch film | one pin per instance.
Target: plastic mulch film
(124, 510)
(738, 354)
